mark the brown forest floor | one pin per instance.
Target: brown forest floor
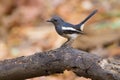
(24, 30)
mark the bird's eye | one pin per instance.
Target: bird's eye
(55, 20)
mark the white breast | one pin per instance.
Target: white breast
(73, 36)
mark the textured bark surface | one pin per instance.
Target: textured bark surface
(56, 61)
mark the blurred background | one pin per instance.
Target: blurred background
(24, 30)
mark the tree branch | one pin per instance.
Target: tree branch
(56, 61)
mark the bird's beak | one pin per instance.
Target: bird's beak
(49, 21)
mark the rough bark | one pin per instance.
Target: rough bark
(58, 60)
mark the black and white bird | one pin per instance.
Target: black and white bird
(68, 30)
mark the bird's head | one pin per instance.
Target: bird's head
(55, 20)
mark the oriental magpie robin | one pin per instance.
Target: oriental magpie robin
(68, 30)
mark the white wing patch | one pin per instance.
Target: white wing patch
(82, 27)
(68, 28)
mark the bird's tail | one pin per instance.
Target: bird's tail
(86, 19)
(89, 16)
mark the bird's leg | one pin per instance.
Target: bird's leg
(68, 42)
